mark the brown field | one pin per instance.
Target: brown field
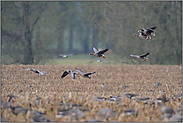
(139, 79)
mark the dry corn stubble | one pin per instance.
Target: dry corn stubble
(52, 88)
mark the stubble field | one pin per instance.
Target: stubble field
(118, 79)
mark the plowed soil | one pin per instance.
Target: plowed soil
(51, 87)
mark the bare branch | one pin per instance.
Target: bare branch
(38, 16)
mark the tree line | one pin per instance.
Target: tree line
(32, 32)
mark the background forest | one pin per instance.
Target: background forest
(36, 32)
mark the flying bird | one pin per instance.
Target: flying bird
(35, 70)
(148, 31)
(66, 72)
(143, 56)
(100, 60)
(66, 55)
(98, 53)
(142, 35)
(85, 74)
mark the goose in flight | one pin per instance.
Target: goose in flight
(85, 74)
(98, 53)
(99, 60)
(35, 70)
(66, 55)
(148, 31)
(66, 72)
(143, 56)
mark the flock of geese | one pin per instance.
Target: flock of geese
(40, 117)
(143, 33)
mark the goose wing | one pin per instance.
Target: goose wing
(63, 55)
(153, 28)
(79, 71)
(89, 73)
(64, 74)
(144, 55)
(72, 54)
(40, 72)
(72, 74)
(104, 61)
(103, 51)
(95, 50)
(26, 68)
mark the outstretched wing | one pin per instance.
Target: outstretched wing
(153, 28)
(89, 73)
(79, 71)
(103, 51)
(40, 72)
(72, 54)
(144, 55)
(142, 34)
(132, 55)
(72, 74)
(104, 61)
(95, 50)
(64, 74)
(61, 55)
(26, 68)
(136, 56)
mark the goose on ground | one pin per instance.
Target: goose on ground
(107, 113)
(3, 119)
(5, 104)
(129, 95)
(18, 109)
(165, 109)
(35, 70)
(176, 118)
(98, 53)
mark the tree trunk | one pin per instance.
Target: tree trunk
(70, 39)
(94, 36)
(60, 47)
(86, 40)
(27, 34)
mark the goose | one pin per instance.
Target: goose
(18, 109)
(100, 60)
(66, 55)
(3, 119)
(35, 70)
(76, 113)
(143, 99)
(5, 104)
(130, 111)
(165, 109)
(98, 53)
(66, 72)
(107, 113)
(143, 36)
(143, 56)
(148, 31)
(176, 118)
(85, 74)
(129, 95)
(11, 97)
